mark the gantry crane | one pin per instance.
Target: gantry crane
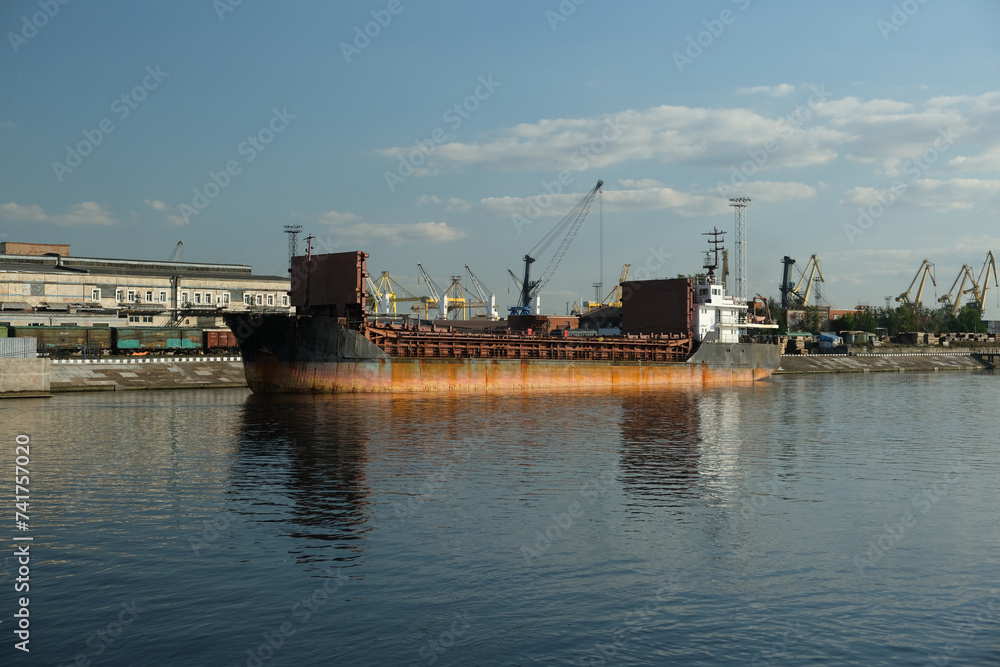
(812, 268)
(565, 228)
(461, 299)
(391, 289)
(965, 275)
(926, 269)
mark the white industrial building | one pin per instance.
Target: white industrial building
(42, 284)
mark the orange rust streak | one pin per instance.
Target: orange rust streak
(429, 375)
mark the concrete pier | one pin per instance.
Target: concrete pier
(24, 377)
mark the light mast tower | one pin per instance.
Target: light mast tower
(741, 204)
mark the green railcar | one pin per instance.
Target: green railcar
(157, 338)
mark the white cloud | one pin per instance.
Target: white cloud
(8, 125)
(156, 204)
(336, 218)
(84, 213)
(648, 194)
(988, 159)
(17, 212)
(890, 135)
(667, 134)
(781, 90)
(453, 203)
(956, 194)
(349, 226)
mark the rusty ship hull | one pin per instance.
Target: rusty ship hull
(289, 354)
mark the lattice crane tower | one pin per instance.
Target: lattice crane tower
(293, 244)
(740, 204)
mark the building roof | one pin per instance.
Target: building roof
(126, 267)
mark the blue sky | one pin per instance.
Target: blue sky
(864, 132)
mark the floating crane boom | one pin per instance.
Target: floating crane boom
(567, 228)
(926, 269)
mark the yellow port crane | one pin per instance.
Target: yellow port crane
(614, 297)
(965, 275)
(387, 290)
(926, 269)
(983, 282)
(812, 268)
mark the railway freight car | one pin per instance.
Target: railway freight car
(64, 341)
(219, 340)
(159, 339)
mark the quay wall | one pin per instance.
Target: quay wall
(154, 373)
(893, 362)
(24, 377)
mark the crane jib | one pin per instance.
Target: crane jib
(565, 229)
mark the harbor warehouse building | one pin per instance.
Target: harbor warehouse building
(41, 284)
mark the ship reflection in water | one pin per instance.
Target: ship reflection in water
(305, 457)
(559, 527)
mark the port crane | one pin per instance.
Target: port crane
(565, 228)
(984, 279)
(389, 291)
(964, 275)
(926, 269)
(439, 298)
(614, 297)
(812, 268)
(489, 303)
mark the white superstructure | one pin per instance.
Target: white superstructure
(717, 317)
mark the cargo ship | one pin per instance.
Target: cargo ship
(674, 332)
